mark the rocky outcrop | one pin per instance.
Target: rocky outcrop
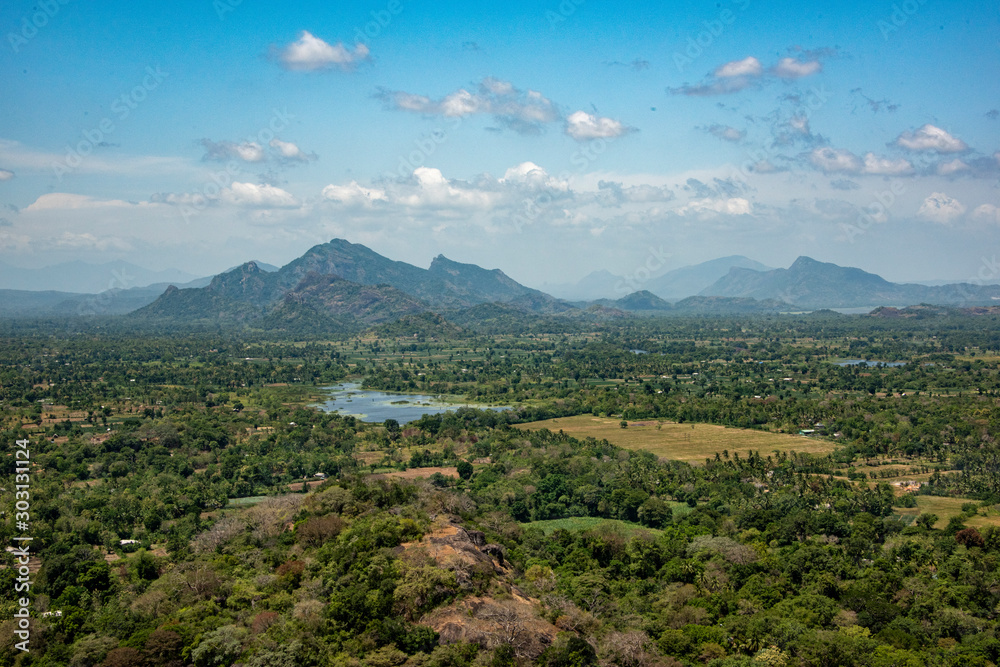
(495, 611)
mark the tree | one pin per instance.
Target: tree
(91, 650)
(970, 537)
(163, 646)
(219, 648)
(124, 657)
(655, 513)
(464, 469)
(568, 650)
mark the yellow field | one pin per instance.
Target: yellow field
(682, 442)
(945, 508)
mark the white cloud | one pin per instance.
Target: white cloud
(726, 133)
(409, 102)
(931, 138)
(525, 112)
(738, 75)
(832, 160)
(180, 199)
(765, 167)
(524, 172)
(433, 190)
(875, 164)
(730, 206)
(69, 201)
(427, 192)
(248, 151)
(87, 241)
(716, 87)
(6, 174)
(749, 66)
(611, 193)
(729, 77)
(260, 196)
(583, 126)
(463, 103)
(790, 68)
(353, 194)
(253, 152)
(532, 177)
(800, 124)
(498, 87)
(310, 53)
(289, 151)
(953, 167)
(24, 159)
(987, 213)
(12, 241)
(941, 208)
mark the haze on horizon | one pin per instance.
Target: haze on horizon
(546, 139)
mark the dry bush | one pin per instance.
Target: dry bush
(629, 649)
(319, 529)
(335, 499)
(268, 519)
(309, 613)
(263, 621)
(729, 549)
(221, 532)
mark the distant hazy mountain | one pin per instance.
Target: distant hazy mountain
(672, 286)
(642, 301)
(812, 284)
(25, 303)
(595, 285)
(83, 278)
(691, 280)
(645, 302)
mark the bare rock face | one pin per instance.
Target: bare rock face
(504, 615)
(494, 550)
(452, 547)
(493, 622)
(477, 537)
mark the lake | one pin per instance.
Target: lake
(865, 362)
(376, 406)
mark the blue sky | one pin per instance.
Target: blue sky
(545, 139)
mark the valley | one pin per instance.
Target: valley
(666, 477)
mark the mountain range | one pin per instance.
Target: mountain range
(87, 297)
(343, 286)
(810, 284)
(84, 278)
(673, 285)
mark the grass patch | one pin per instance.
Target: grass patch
(945, 508)
(249, 500)
(682, 442)
(581, 523)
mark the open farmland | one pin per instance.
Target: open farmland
(682, 442)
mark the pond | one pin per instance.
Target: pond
(865, 362)
(371, 405)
